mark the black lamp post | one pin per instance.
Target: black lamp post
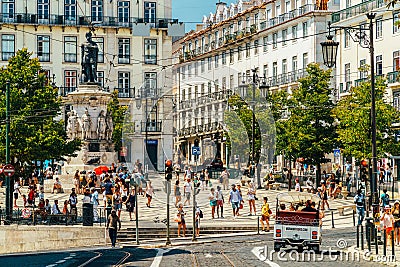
(329, 52)
(138, 99)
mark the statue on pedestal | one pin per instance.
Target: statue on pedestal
(109, 128)
(72, 125)
(90, 51)
(101, 126)
(86, 123)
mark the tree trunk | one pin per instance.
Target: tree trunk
(318, 175)
(290, 174)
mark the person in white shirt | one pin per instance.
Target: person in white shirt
(187, 189)
(297, 187)
(55, 209)
(17, 192)
(95, 201)
(234, 199)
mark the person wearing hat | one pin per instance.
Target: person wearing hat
(113, 225)
(396, 216)
(387, 220)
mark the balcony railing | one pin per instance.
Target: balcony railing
(359, 9)
(125, 92)
(286, 78)
(64, 91)
(44, 57)
(53, 19)
(70, 57)
(152, 126)
(393, 77)
(6, 55)
(359, 81)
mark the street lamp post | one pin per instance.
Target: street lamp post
(8, 178)
(329, 52)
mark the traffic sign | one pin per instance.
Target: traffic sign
(8, 170)
(196, 151)
(336, 153)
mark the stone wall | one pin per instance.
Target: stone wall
(29, 238)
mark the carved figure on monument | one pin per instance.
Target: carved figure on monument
(109, 128)
(90, 51)
(72, 125)
(86, 123)
(101, 126)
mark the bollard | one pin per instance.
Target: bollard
(354, 218)
(362, 237)
(384, 242)
(333, 223)
(368, 230)
(376, 240)
(258, 225)
(358, 236)
(392, 243)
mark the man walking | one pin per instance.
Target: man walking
(234, 199)
(113, 225)
(359, 200)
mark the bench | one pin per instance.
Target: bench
(341, 209)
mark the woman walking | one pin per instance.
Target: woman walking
(220, 202)
(177, 193)
(213, 201)
(149, 193)
(396, 216)
(130, 203)
(117, 201)
(180, 219)
(251, 196)
(265, 213)
(324, 195)
(207, 178)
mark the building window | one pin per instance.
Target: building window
(223, 83)
(224, 58)
(255, 47)
(294, 33)
(274, 40)
(231, 82)
(396, 24)
(124, 50)
(247, 49)
(284, 37)
(183, 70)
(70, 80)
(284, 70)
(265, 70)
(124, 83)
(8, 9)
(196, 68)
(239, 53)
(100, 78)
(305, 60)
(150, 51)
(305, 29)
(231, 56)
(396, 60)
(396, 100)
(202, 63)
(209, 63)
(347, 77)
(70, 10)
(294, 64)
(43, 48)
(150, 12)
(274, 72)
(43, 9)
(362, 72)
(100, 44)
(189, 68)
(379, 65)
(265, 44)
(346, 39)
(70, 48)
(123, 11)
(97, 10)
(150, 83)
(378, 28)
(7, 46)
(216, 60)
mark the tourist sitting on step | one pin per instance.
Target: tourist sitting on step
(57, 186)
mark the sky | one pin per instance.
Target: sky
(191, 11)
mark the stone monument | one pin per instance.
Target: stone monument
(88, 118)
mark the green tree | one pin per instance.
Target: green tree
(35, 133)
(353, 113)
(310, 130)
(118, 113)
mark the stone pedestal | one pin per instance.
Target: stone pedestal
(88, 120)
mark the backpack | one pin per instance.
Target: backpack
(201, 214)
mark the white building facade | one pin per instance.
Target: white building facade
(276, 38)
(54, 30)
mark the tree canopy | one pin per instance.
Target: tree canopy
(118, 113)
(36, 130)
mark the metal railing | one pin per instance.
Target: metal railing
(64, 91)
(152, 126)
(355, 10)
(393, 77)
(125, 92)
(54, 19)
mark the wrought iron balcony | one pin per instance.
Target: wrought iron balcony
(5, 56)
(152, 126)
(125, 92)
(356, 10)
(64, 91)
(393, 77)
(54, 19)
(70, 57)
(359, 81)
